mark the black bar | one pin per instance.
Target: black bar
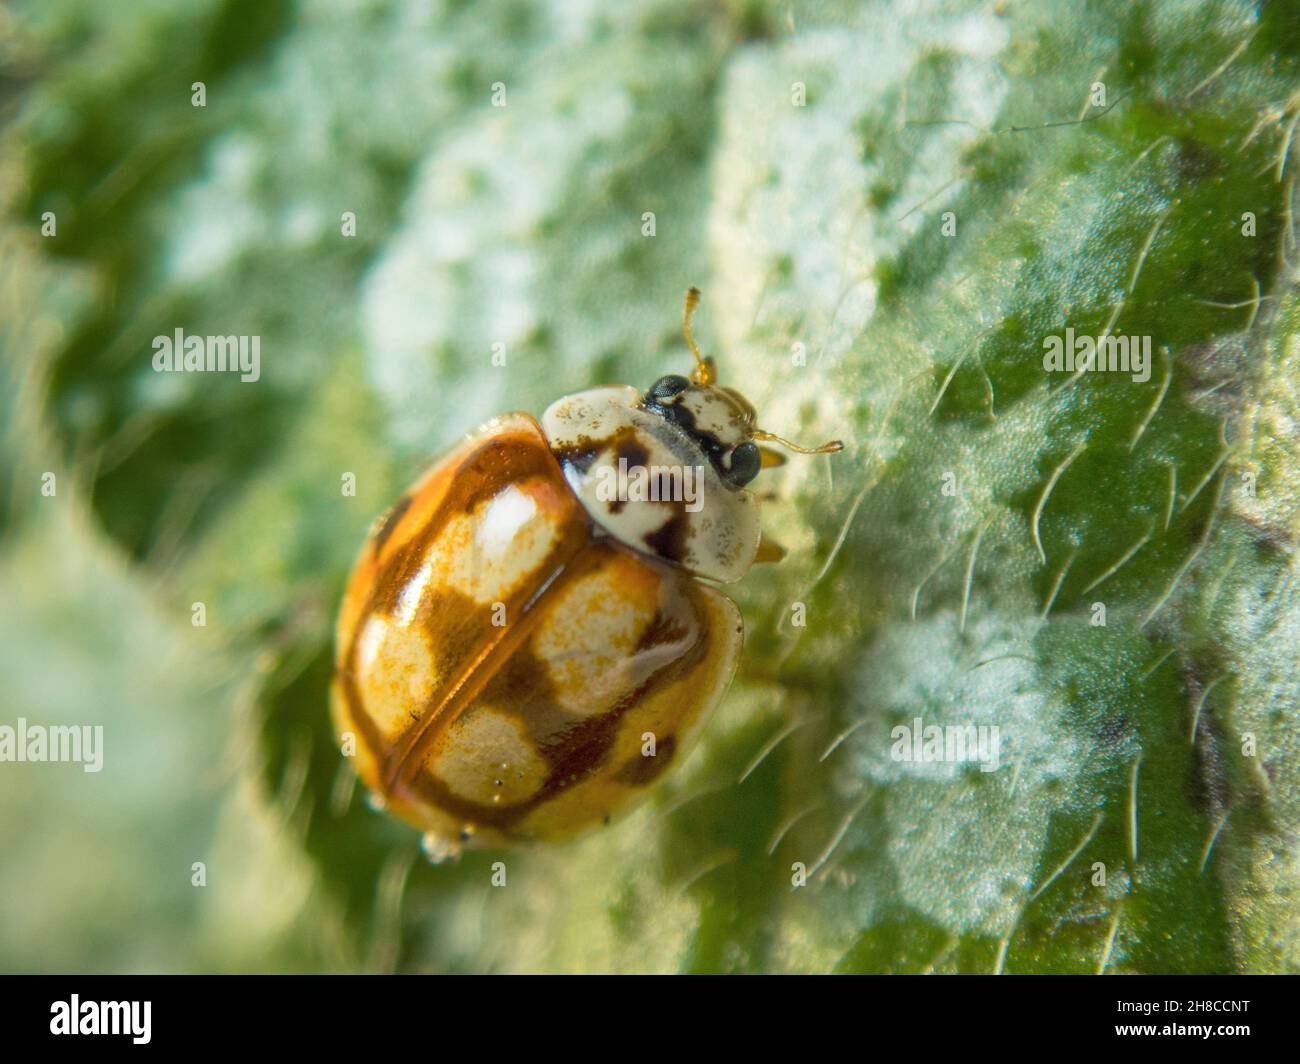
(337, 1013)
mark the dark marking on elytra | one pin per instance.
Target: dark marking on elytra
(520, 683)
(641, 770)
(577, 750)
(486, 467)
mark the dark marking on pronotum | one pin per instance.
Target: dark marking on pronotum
(580, 456)
(584, 451)
(669, 539)
(631, 450)
(721, 457)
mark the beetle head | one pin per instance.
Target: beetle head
(718, 418)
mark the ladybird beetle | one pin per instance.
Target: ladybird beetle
(522, 648)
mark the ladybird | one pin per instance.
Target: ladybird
(533, 633)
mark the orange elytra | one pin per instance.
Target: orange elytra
(533, 633)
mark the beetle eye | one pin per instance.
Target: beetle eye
(745, 464)
(667, 387)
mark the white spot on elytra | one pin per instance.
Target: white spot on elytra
(506, 515)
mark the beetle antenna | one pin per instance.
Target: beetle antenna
(825, 448)
(704, 372)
